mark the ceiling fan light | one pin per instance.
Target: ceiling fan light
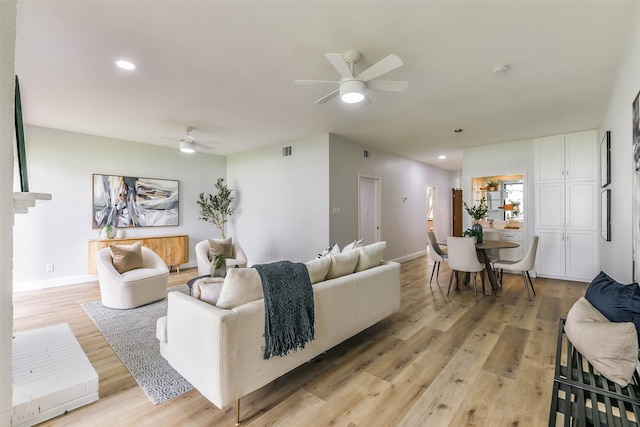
(187, 147)
(352, 91)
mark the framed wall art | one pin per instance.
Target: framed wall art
(635, 143)
(605, 214)
(605, 159)
(124, 201)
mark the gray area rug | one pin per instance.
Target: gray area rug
(132, 335)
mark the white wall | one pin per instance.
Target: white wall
(616, 255)
(7, 71)
(284, 201)
(62, 163)
(403, 224)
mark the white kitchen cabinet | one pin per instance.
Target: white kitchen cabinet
(566, 191)
(564, 204)
(571, 157)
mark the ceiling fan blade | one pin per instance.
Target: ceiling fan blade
(389, 86)
(381, 67)
(208, 145)
(170, 139)
(328, 97)
(317, 82)
(338, 62)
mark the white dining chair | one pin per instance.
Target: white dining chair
(437, 254)
(462, 257)
(523, 266)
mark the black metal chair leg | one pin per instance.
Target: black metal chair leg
(451, 281)
(526, 284)
(433, 270)
(438, 273)
(530, 283)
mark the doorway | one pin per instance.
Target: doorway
(369, 208)
(432, 201)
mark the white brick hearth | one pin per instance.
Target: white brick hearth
(51, 375)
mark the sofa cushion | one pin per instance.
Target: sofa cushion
(208, 289)
(616, 301)
(318, 269)
(126, 257)
(342, 264)
(353, 245)
(371, 256)
(217, 246)
(241, 285)
(612, 348)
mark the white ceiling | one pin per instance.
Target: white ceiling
(228, 69)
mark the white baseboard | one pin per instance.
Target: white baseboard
(53, 283)
(410, 256)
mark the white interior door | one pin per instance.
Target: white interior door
(369, 209)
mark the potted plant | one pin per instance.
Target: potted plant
(219, 265)
(216, 209)
(477, 212)
(493, 185)
(476, 234)
(107, 232)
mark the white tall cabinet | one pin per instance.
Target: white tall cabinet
(566, 220)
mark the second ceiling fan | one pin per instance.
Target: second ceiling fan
(353, 88)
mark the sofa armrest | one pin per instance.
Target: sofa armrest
(194, 341)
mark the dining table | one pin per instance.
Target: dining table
(482, 248)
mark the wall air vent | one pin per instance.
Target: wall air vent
(366, 153)
(286, 151)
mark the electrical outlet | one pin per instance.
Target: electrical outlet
(27, 415)
(49, 268)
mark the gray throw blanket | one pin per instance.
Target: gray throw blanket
(289, 314)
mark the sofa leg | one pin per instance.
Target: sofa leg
(238, 412)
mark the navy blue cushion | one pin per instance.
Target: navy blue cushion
(616, 301)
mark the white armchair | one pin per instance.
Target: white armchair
(239, 258)
(135, 287)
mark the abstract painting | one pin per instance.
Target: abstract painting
(123, 201)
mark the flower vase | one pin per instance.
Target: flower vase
(478, 228)
(218, 272)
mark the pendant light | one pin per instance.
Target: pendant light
(458, 184)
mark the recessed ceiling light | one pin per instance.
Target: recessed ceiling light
(125, 65)
(442, 157)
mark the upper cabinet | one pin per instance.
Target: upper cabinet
(571, 157)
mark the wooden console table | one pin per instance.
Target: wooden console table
(174, 250)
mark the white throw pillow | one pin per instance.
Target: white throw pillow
(318, 269)
(353, 245)
(371, 256)
(241, 285)
(611, 347)
(343, 264)
(208, 289)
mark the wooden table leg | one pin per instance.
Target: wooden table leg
(490, 273)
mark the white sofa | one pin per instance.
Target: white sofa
(220, 352)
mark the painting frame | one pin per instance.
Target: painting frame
(605, 160)
(635, 144)
(605, 212)
(126, 201)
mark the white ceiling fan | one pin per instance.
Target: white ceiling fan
(188, 143)
(353, 88)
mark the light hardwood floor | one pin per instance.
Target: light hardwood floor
(441, 361)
